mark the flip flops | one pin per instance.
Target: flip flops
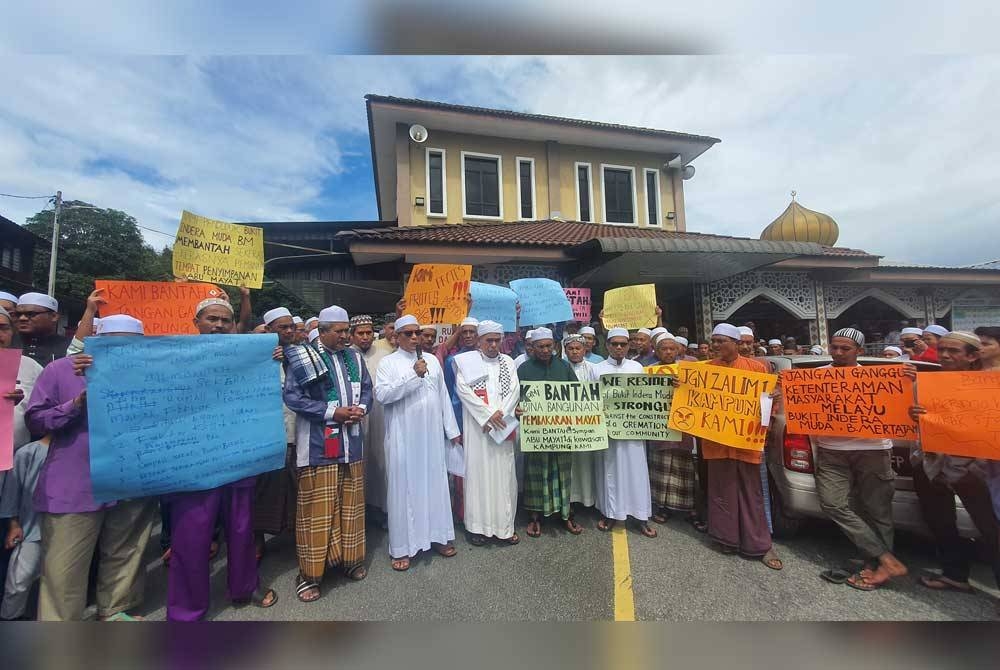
(835, 575)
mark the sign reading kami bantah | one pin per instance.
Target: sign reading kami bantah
(562, 416)
(182, 413)
(214, 251)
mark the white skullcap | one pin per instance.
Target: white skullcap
(893, 348)
(935, 329)
(617, 332)
(489, 328)
(816, 350)
(587, 330)
(10, 297)
(912, 331)
(778, 342)
(530, 335)
(683, 341)
(663, 336)
(727, 330)
(693, 345)
(39, 300)
(275, 313)
(644, 331)
(313, 334)
(120, 323)
(405, 320)
(542, 333)
(333, 314)
(965, 338)
(469, 321)
(659, 330)
(209, 302)
(297, 320)
(745, 330)
(316, 318)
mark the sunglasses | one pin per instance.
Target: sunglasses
(618, 344)
(408, 333)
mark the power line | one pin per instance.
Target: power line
(26, 197)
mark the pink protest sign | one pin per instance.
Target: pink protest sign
(10, 361)
(579, 300)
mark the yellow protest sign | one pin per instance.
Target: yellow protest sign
(438, 292)
(630, 307)
(721, 404)
(223, 253)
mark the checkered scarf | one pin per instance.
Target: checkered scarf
(304, 363)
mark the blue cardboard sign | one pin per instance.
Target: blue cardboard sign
(495, 303)
(542, 301)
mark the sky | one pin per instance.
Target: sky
(900, 150)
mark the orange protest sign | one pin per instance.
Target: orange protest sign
(721, 404)
(872, 402)
(165, 308)
(438, 293)
(963, 413)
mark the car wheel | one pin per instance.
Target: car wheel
(783, 525)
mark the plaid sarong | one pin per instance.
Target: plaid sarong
(330, 518)
(304, 363)
(547, 480)
(671, 478)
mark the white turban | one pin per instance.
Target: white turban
(313, 334)
(681, 341)
(663, 336)
(542, 334)
(489, 328)
(912, 331)
(39, 300)
(893, 348)
(297, 320)
(617, 332)
(311, 319)
(120, 323)
(727, 330)
(645, 331)
(469, 321)
(274, 314)
(211, 302)
(746, 330)
(777, 342)
(659, 330)
(693, 345)
(9, 297)
(333, 314)
(587, 330)
(935, 329)
(405, 320)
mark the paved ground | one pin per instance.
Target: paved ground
(675, 577)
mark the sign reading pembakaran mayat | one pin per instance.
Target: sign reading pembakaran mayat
(223, 253)
(562, 416)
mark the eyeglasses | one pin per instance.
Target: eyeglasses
(32, 315)
(408, 333)
(618, 344)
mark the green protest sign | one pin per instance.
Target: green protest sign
(562, 416)
(637, 407)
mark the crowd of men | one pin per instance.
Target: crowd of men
(393, 428)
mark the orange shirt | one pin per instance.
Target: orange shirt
(713, 450)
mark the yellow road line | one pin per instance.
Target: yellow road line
(624, 599)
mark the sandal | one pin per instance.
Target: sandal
(357, 573)
(836, 575)
(942, 583)
(697, 524)
(647, 530)
(513, 539)
(771, 560)
(605, 524)
(661, 517)
(401, 564)
(534, 528)
(861, 583)
(305, 586)
(573, 527)
(477, 540)
(261, 598)
(446, 550)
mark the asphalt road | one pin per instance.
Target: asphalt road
(677, 576)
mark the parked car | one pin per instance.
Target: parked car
(791, 459)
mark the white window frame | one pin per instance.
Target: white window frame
(534, 199)
(480, 217)
(658, 223)
(604, 200)
(444, 183)
(590, 189)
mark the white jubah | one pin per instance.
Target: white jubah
(582, 489)
(490, 476)
(419, 423)
(622, 475)
(373, 430)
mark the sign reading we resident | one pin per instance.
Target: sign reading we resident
(963, 413)
(637, 407)
(438, 292)
(215, 251)
(562, 416)
(721, 404)
(870, 402)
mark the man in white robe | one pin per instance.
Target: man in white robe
(581, 489)
(621, 473)
(419, 423)
(486, 383)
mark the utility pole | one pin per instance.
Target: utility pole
(55, 245)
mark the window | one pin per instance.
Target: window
(15, 263)
(653, 197)
(481, 186)
(5, 259)
(526, 188)
(584, 197)
(437, 194)
(618, 187)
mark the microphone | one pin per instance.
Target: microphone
(420, 353)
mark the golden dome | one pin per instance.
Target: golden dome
(798, 224)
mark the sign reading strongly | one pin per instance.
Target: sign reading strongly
(165, 308)
(542, 301)
(10, 363)
(438, 293)
(870, 401)
(179, 413)
(963, 413)
(721, 404)
(214, 251)
(630, 307)
(579, 300)
(562, 416)
(637, 407)
(496, 303)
